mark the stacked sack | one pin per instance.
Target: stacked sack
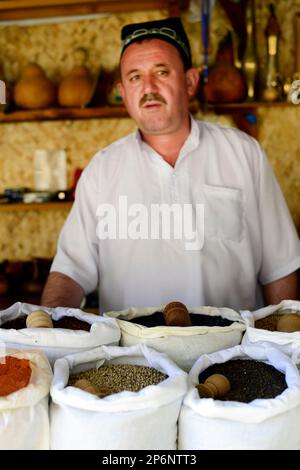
(25, 379)
(143, 419)
(38, 332)
(185, 344)
(270, 423)
(277, 325)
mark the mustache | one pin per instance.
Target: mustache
(152, 97)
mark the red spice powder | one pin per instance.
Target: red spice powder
(14, 374)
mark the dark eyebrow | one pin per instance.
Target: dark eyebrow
(132, 71)
(161, 65)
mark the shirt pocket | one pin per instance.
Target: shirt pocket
(223, 213)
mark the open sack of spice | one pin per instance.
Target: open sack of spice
(131, 401)
(57, 331)
(258, 408)
(25, 379)
(182, 333)
(275, 324)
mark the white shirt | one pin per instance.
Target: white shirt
(249, 237)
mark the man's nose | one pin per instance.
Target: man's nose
(149, 84)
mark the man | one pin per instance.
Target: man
(244, 250)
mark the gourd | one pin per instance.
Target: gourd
(76, 89)
(34, 90)
(225, 81)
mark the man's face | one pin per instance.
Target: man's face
(154, 86)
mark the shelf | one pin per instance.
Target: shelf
(54, 114)
(9, 299)
(38, 206)
(244, 114)
(16, 9)
(249, 104)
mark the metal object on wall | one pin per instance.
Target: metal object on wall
(250, 59)
(297, 34)
(273, 85)
(2, 92)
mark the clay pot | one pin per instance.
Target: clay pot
(34, 90)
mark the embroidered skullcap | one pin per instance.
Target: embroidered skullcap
(170, 30)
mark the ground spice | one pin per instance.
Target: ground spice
(14, 374)
(268, 323)
(115, 378)
(157, 319)
(249, 380)
(68, 323)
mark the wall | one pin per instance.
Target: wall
(27, 234)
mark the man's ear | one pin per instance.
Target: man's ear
(192, 81)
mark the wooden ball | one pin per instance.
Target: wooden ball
(39, 319)
(270, 94)
(289, 323)
(86, 386)
(205, 391)
(176, 314)
(220, 382)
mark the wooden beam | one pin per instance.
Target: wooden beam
(55, 114)
(23, 9)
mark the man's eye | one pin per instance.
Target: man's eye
(134, 78)
(163, 72)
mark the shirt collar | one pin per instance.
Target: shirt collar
(191, 142)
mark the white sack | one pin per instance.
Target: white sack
(261, 424)
(182, 344)
(289, 343)
(24, 418)
(127, 420)
(58, 342)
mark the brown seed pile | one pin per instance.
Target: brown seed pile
(268, 323)
(69, 323)
(157, 319)
(249, 379)
(115, 378)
